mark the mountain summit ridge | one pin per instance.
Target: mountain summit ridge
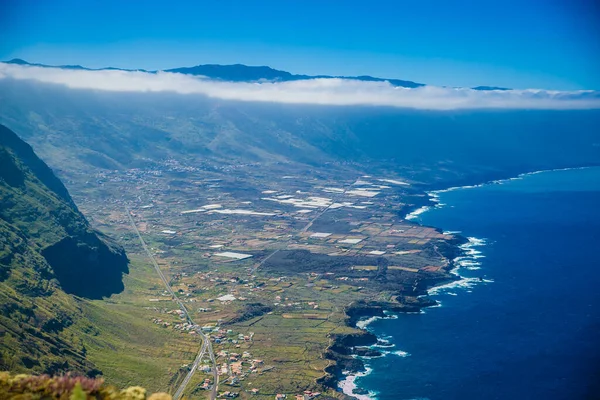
(246, 73)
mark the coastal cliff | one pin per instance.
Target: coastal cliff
(346, 350)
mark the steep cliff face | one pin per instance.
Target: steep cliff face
(99, 262)
(47, 252)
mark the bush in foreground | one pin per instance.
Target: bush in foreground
(67, 387)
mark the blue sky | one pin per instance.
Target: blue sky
(522, 44)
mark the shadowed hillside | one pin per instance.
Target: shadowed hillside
(47, 251)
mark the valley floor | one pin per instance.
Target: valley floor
(266, 264)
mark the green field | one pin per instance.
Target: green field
(126, 345)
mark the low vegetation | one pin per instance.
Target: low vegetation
(67, 387)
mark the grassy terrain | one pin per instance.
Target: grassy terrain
(126, 345)
(130, 349)
(291, 341)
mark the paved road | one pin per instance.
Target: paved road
(206, 343)
(206, 347)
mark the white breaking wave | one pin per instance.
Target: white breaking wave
(400, 353)
(415, 214)
(382, 346)
(362, 324)
(348, 384)
(466, 261)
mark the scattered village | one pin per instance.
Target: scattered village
(267, 263)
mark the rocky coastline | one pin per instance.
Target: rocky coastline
(345, 350)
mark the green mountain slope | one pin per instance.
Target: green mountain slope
(48, 253)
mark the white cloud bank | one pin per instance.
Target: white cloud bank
(313, 91)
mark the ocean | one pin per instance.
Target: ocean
(524, 322)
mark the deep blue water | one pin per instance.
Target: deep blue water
(532, 333)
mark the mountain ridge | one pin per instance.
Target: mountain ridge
(247, 73)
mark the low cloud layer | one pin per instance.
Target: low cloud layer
(313, 91)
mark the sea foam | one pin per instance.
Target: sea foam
(363, 323)
(466, 261)
(348, 384)
(415, 214)
(400, 353)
